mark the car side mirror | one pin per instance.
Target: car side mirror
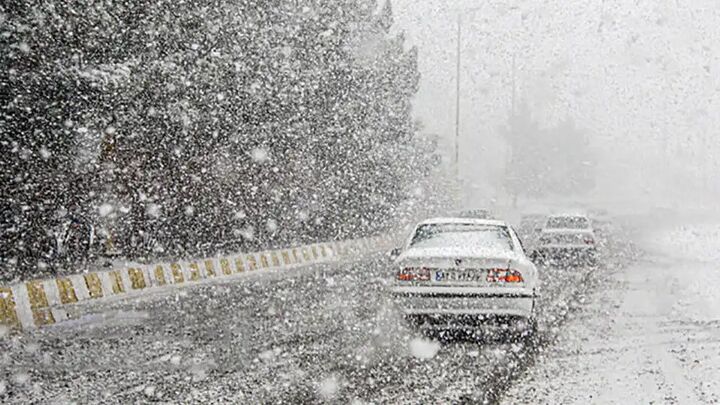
(394, 253)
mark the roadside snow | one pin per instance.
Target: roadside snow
(651, 335)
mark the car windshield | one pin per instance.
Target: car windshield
(568, 223)
(462, 235)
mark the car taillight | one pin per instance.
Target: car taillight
(414, 274)
(513, 276)
(504, 276)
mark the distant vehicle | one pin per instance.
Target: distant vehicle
(567, 240)
(477, 213)
(566, 248)
(466, 274)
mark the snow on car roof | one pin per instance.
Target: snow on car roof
(457, 220)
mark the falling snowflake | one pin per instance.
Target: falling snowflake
(248, 233)
(153, 210)
(105, 209)
(424, 349)
(328, 387)
(21, 378)
(260, 155)
(303, 215)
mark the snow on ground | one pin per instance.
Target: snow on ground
(650, 335)
(325, 334)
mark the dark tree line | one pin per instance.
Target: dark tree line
(175, 127)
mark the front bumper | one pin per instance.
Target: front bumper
(448, 305)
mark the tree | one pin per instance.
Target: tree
(42, 107)
(191, 124)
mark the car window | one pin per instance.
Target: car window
(444, 235)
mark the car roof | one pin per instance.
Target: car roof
(457, 220)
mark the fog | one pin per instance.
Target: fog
(640, 78)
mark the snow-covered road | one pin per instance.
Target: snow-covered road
(651, 333)
(326, 333)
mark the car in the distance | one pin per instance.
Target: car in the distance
(567, 239)
(465, 274)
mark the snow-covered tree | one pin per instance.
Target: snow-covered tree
(190, 124)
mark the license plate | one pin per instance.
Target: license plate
(469, 275)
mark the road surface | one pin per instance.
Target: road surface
(321, 334)
(651, 334)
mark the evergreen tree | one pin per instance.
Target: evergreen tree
(196, 123)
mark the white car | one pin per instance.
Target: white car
(567, 239)
(464, 273)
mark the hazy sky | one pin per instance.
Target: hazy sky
(643, 75)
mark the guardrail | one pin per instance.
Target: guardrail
(37, 303)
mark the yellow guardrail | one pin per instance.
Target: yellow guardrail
(36, 303)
